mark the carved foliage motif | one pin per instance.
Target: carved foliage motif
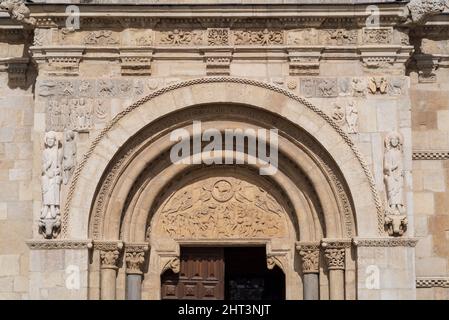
(335, 258)
(218, 36)
(261, 37)
(222, 208)
(181, 37)
(134, 262)
(421, 10)
(377, 35)
(310, 259)
(102, 37)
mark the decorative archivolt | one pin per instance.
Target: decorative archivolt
(221, 208)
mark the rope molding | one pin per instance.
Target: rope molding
(192, 82)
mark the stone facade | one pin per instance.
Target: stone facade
(358, 208)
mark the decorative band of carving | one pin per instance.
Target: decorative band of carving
(431, 155)
(59, 244)
(336, 243)
(374, 192)
(386, 242)
(432, 282)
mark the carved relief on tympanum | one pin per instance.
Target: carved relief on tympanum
(221, 208)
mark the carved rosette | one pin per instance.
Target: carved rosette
(310, 257)
(109, 253)
(135, 258)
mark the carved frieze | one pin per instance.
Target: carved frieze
(263, 37)
(101, 38)
(89, 88)
(376, 36)
(218, 36)
(220, 208)
(178, 37)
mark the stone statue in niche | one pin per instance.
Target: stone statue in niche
(396, 218)
(69, 155)
(49, 222)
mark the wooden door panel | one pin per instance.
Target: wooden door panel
(201, 276)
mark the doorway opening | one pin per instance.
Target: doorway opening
(230, 273)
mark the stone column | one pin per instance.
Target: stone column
(135, 259)
(334, 252)
(109, 258)
(310, 257)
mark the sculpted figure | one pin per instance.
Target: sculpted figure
(18, 11)
(69, 156)
(51, 183)
(352, 117)
(394, 172)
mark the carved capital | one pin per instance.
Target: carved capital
(335, 258)
(109, 253)
(310, 256)
(135, 257)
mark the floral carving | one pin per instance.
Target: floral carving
(134, 262)
(335, 258)
(109, 258)
(222, 208)
(310, 259)
(102, 37)
(218, 36)
(378, 35)
(263, 37)
(181, 37)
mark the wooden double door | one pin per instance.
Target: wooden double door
(223, 273)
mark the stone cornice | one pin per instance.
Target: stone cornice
(431, 155)
(432, 282)
(385, 242)
(59, 244)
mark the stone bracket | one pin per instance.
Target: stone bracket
(61, 62)
(376, 57)
(304, 61)
(218, 62)
(136, 62)
(17, 69)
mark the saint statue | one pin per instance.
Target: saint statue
(51, 185)
(394, 173)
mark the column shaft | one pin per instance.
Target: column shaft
(311, 286)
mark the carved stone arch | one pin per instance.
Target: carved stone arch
(285, 163)
(261, 96)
